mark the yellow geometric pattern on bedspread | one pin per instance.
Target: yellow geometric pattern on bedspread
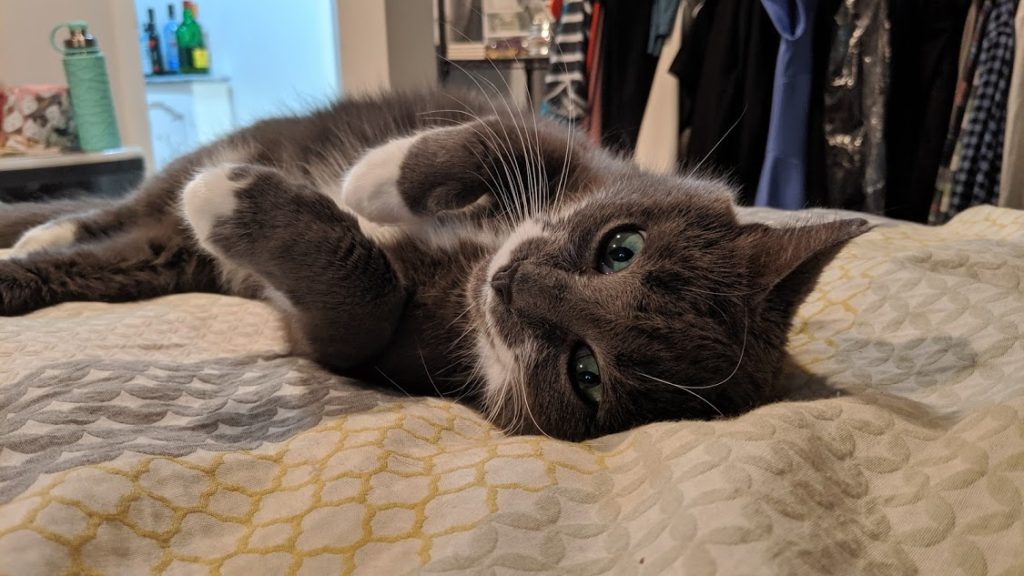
(917, 467)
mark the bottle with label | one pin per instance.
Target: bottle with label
(153, 45)
(171, 42)
(192, 55)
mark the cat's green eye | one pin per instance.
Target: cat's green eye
(620, 249)
(585, 374)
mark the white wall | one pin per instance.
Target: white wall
(362, 36)
(280, 56)
(386, 44)
(27, 58)
(412, 62)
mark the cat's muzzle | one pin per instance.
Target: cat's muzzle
(501, 282)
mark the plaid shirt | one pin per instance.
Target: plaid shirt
(979, 162)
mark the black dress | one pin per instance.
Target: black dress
(925, 36)
(726, 69)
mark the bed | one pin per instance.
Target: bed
(177, 436)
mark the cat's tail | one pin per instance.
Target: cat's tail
(15, 219)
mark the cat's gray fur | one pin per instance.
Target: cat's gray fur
(378, 225)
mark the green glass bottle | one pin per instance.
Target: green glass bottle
(193, 57)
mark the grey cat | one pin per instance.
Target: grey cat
(457, 247)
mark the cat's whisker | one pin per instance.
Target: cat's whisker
(506, 147)
(459, 317)
(393, 383)
(469, 384)
(687, 389)
(563, 177)
(494, 190)
(507, 155)
(498, 194)
(532, 169)
(743, 349)
(542, 170)
(531, 185)
(526, 402)
(728, 131)
(469, 329)
(429, 377)
(492, 137)
(533, 161)
(524, 394)
(710, 293)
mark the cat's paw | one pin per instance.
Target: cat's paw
(371, 189)
(49, 236)
(440, 171)
(21, 291)
(210, 199)
(248, 213)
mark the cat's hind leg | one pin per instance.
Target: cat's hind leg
(28, 227)
(339, 287)
(49, 236)
(130, 266)
(113, 251)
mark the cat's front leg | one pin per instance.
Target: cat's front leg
(512, 167)
(339, 287)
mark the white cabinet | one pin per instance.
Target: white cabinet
(186, 112)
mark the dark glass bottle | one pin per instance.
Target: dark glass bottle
(153, 45)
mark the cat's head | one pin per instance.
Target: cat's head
(646, 301)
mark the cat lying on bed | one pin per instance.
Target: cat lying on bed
(458, 247)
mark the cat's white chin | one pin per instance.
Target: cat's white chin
(497, 363)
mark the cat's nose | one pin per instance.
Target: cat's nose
(501, 282)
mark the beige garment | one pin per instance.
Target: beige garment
(1011, 181)
(968, 36)
(657, 146)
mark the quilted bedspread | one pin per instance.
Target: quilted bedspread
(176, 436)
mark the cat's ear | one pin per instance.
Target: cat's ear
(785, 262)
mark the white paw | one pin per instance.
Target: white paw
(209, 197)
(49, 236)
(370, 188)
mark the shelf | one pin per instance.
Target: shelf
(184, 78)
(526, 60)
(64, 159)
(529, 63)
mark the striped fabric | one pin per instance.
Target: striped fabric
(566, 81)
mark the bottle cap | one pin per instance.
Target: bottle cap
(79, 36)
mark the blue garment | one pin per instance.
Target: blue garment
(663, 18)
(783, 174)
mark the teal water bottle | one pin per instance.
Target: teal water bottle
(91, 102)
